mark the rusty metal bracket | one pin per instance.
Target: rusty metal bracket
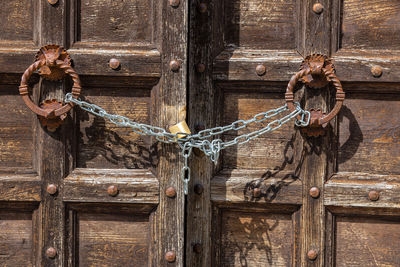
(53, 63)
(316, 72)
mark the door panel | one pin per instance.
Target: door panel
(85, 223)
(358, 153)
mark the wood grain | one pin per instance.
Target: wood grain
(235, 187)
(254, 239)
(16, 144)
(17, 17)
(348, 189)
(269, 151)
(90, 185)
(16, 239)
(260, 24)
(362, 28)
(369, 136)
(363, 241)
(113, 240)
(111, 21)
(102, 144)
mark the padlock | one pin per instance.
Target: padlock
(181, 127)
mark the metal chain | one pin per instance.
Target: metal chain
(200, 140)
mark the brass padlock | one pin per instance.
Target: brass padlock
(181, 127)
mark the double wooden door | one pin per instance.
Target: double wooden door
(110, 203)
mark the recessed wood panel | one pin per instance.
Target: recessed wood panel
(16, 241)
(17, 20)
(255, 239)
(15, 129)
(371, 24)
(113, 21)
(260, 24)
(113, 239)
(271, 150)
(362, 241)
(102, 144)
(369, 133)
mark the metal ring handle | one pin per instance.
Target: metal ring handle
(23, 88)
(331, 76)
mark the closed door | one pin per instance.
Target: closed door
(286, 198)
(91, 193)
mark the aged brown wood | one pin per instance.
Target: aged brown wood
(79, 223)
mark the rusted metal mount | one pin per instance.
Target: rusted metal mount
(316, 71)
(53, 63)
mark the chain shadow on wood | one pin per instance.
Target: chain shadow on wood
(115, 149)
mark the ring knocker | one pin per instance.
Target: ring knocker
(316, 72)
(53, 63)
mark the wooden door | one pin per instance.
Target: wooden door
(81, 223)
(241, 57)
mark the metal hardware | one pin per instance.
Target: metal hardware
(373, 195)
(112, 190)
(256, 192)
(174, 3)
(197, 248)
(318, 8)
(314, 192)
(174, 65)
(187, 142)
(170, 256)
(179, 128)
(114, 63)
(376, 71)
(170, 192)
(53, 63)
(51, 189)
(202, 7)
(51, 252)
(316, 71)
(198, 189)
(52, 2)
(261, 70)
(312, 255)
(200, 68)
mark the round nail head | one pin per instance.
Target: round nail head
(256, 192)
(198, 189)
(197, 248)
(174, 65)
(51, 189)
(318, 8)
(52, 2)
(373, 195)
(51, 252)
(203, 7)
(174, 3)
(200, 68)
(170, 192)
(112, 190)
(312, 255)
(114, 63)
(170, 256)
(314, 192)
(261, 70)
(376, 71)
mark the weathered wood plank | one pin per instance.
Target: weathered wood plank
(17, 188)
(169, 99)
(236, 186)
(88, 185)
(349, 189)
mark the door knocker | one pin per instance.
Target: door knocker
(53, 63)
(316, 72)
